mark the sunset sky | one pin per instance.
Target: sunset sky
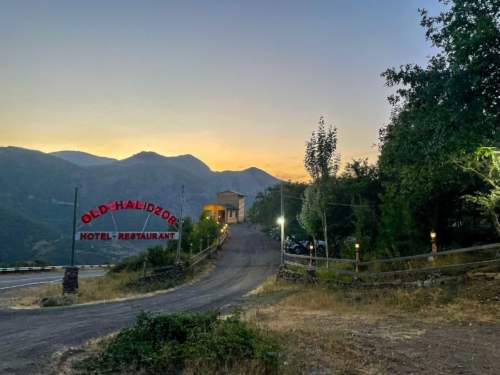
(237, 84)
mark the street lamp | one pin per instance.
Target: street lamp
(356, 247)
(433, 236)
(311, 248)
(281, 222)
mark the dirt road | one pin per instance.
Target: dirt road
(30, 337)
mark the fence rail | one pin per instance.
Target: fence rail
(202, 255)
(315, 262)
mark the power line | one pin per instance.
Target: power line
(333, 203)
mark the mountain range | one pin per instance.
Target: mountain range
(37, 190)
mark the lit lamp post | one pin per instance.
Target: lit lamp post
(219, 237)
(311, 248)
(433, 242)
(281, 222)
(356, 247)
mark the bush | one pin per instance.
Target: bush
(198, 343)
(154, 257)
(53, 301)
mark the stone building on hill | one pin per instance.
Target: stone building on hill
(229, 208)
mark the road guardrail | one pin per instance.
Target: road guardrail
(51, 268)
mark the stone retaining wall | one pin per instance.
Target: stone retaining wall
(310, 277)
(163, 275)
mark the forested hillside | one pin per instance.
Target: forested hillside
(37, 190)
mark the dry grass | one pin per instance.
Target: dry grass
(271, 285)
(477, 301)
(329, 331)
(111, 286)
(63, 362)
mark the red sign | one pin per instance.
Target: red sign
(127, 236)
(152, 208)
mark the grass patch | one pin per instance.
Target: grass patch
(107, 287)
(154, 257)
(476, 300)
(149, 271)
(328, 330)
(186, 343)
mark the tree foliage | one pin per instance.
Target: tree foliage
(441, 114)
(485, 163)
(266, 207)
(310, 214)
(321, 159)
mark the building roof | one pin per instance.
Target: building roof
(231, 191)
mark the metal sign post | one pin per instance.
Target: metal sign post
(70, 281)
(74, 228)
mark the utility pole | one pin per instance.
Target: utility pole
(325, 231)
(73, 239)
(70, 280)
(179, 242)
(282, 216)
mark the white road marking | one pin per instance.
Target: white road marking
(45, 280)
(28, 284)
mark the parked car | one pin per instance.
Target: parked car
(318, 248)
(293, 246)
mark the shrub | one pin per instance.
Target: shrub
(154, 257)
(170, 344)
(53, 301)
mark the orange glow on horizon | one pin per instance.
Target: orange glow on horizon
(227, 160)
(229, 145)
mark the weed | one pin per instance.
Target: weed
(195, 343)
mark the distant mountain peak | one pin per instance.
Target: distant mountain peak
(191, 161)
(146, 156)
(83, 159)
(185, 162)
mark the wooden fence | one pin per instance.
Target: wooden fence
(204, 254)
(458, 259)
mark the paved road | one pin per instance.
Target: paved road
(18, 280)
(28, 338)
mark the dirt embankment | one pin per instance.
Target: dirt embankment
(452, 330)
